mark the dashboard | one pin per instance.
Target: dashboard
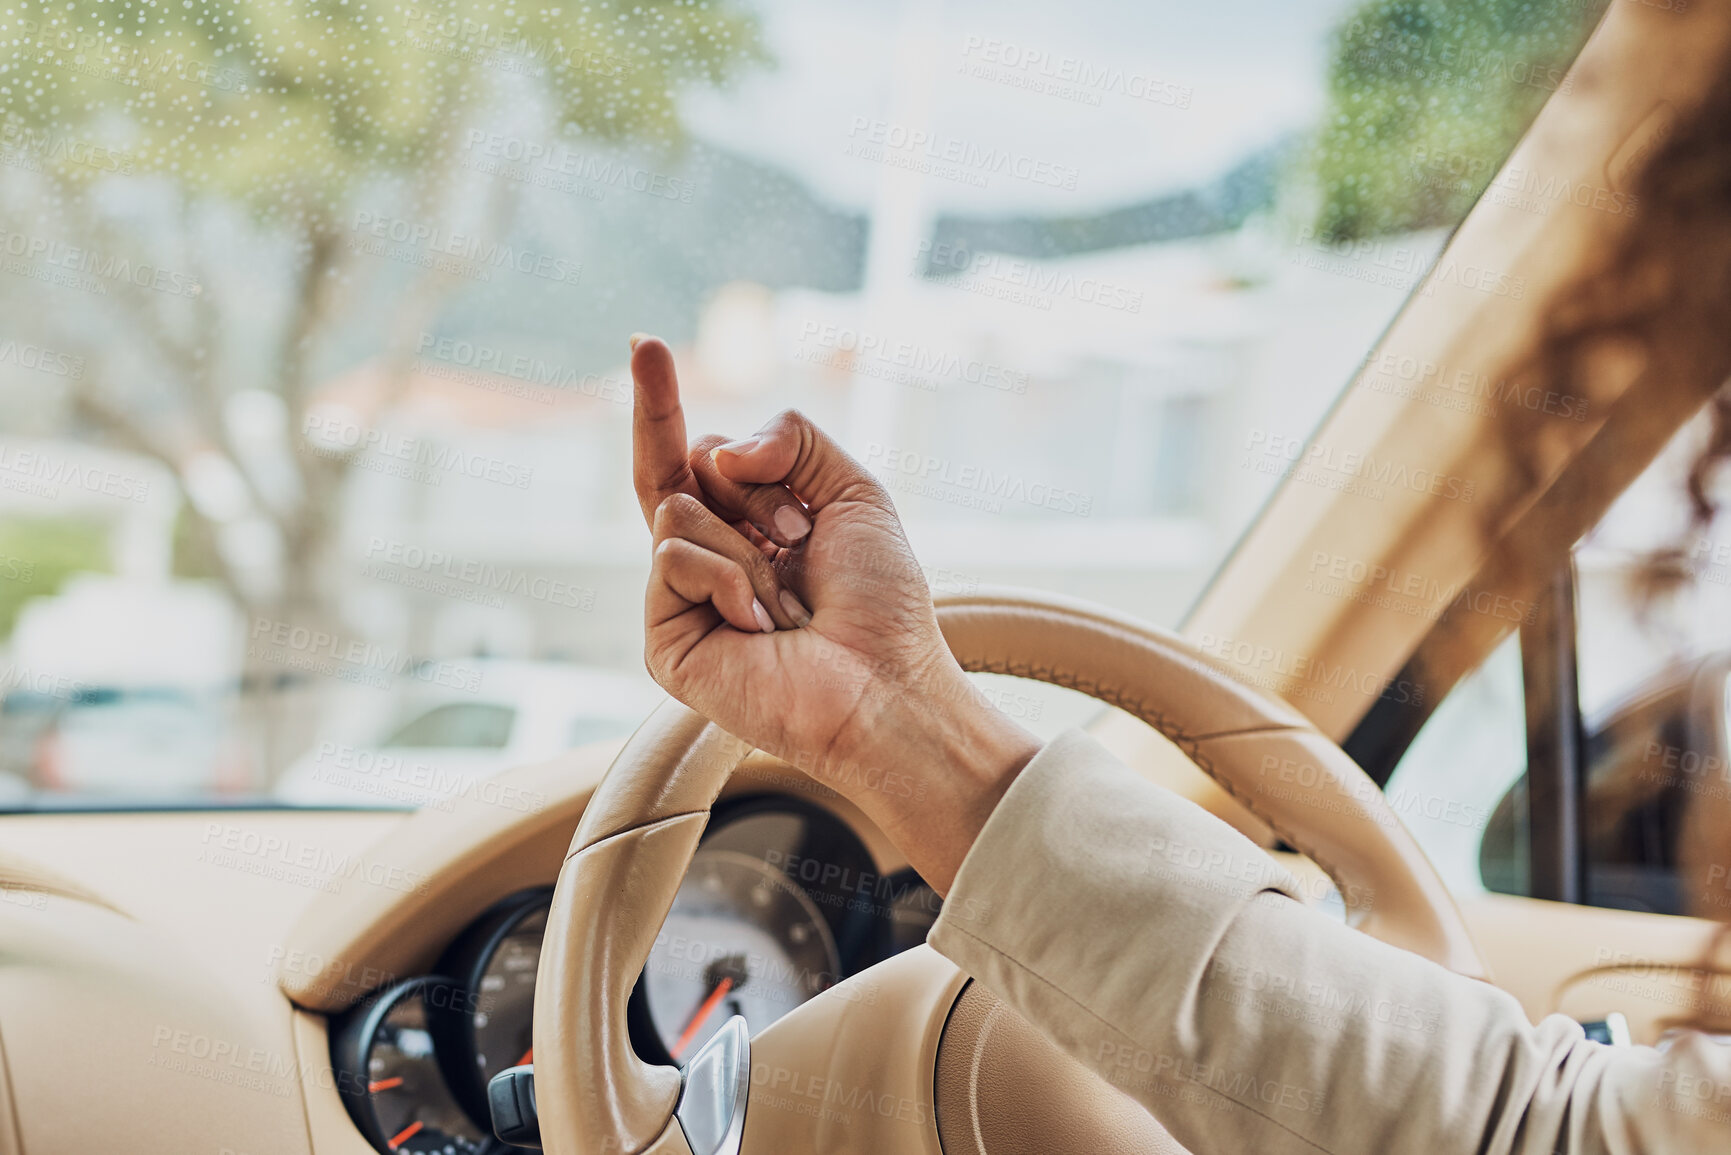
(196, 966)
(781, 902)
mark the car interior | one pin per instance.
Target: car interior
(539, 961)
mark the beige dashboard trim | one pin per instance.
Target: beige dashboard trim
(329, 1128)
(1585, 962)
(113, 1026)
(459, 861)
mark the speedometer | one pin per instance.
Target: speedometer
(494, 963)
(742, 939)
(504, 1014)
(389, 1075)
(782, 900)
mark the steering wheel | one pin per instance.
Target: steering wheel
(888, 1033)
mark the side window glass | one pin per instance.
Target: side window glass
(1653, 631)
(1460, 787)
(1652, 620)
(1653, 666)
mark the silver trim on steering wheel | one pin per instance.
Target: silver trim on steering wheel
(717, 1082)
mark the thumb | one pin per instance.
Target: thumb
(792, 451)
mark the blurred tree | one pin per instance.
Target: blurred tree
(1426, 98)
(139, 135)
(37, 555)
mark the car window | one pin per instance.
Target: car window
(459, 726)
(1464, 775)
(1654, 636)
(313, 378)
(1653, 666)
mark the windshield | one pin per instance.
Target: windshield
(315, 465)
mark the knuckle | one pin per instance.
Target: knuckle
(670, 481)
(674, 511)
(757, 570)
(701, 447)
(667, 550)
(763, 501)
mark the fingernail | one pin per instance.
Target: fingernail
(739, 447)
(792, 522)
(795, 609)
(764, 621)
(636, 338)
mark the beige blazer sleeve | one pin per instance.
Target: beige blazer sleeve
(1168, 953)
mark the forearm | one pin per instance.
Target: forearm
(1169, 954)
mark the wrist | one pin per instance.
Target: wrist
(955, 755)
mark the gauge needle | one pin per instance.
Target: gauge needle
(703, 1012)
(528, 1057)
(404, 1135)
(378, 1085)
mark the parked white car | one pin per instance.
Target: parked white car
(448, 743)
(122, 690)
(161, 743)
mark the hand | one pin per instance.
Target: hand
(785, 605)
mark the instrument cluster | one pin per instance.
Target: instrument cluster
(781, 902)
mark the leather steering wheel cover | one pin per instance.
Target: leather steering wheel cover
(640, 829)
(1234, 732)
(626, 862)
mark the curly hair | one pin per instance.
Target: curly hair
(1662, 291)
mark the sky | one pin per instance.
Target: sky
(1224, 79)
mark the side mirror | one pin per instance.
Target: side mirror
(1655, 823)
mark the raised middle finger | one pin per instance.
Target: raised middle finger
(658, 450)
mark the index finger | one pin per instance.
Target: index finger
(659, 468)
